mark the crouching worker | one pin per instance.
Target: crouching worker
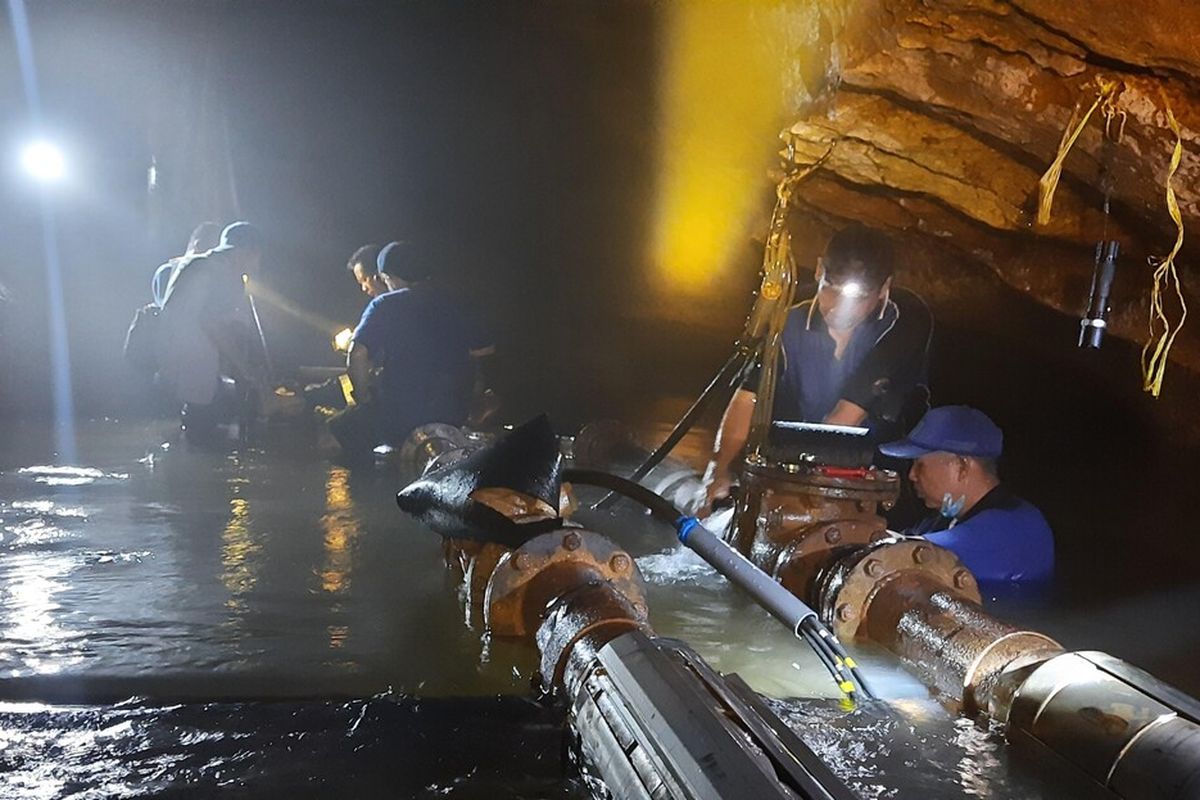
(997, 535)
(212, 360)
(417, 356)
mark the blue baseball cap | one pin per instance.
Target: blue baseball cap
(961, 430)
(402, 260)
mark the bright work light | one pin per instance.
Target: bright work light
(43, 161)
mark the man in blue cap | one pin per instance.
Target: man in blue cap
(997, 535)
(427, 347)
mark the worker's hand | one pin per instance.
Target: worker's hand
(720, 484)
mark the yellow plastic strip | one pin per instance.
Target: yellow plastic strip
(1049, 181)
(1154, 365)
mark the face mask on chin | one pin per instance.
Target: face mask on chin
(952, 506)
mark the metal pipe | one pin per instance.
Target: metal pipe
(1111, 724)
(725, 379)
(649, 715)
(1086, 714)
(611, 446)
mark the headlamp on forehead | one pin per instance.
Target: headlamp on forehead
(851, 289)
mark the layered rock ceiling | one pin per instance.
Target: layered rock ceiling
(942, 115)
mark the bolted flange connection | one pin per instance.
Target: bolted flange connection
(848, 589)
(527, 579)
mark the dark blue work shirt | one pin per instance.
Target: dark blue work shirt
(1001, 539)
(423, 338)
(884, 368)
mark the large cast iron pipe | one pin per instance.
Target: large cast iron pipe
(650, 717)
(1111, 724)
(921, 603)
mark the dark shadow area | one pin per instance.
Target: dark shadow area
(383, 747)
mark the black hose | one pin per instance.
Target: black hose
(660, 508)
(727, 376)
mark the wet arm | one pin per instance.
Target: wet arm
(846, 413)
(358, 367)
(483, 357)
(731, 438)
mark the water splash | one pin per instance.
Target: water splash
(70, 476)
(679, 564)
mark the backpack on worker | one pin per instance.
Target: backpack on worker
(143, 340)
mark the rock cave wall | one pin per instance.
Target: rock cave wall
(940, 116)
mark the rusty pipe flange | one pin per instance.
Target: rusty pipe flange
(847, 588)
(526, 580)
(577, 625)
(878, 485)
(799, 563)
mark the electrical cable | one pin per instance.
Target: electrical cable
(726, 378)
(829, 650)
(844, 657)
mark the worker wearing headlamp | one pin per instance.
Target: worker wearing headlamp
(854, 352)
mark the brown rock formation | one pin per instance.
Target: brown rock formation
(943, 115)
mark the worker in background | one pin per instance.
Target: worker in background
(854, 352)
(328, 394)
(205, 237)
(363, 266)
(997, 535)
(427, 348)
(210, 334)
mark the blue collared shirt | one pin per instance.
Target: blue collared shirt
(1001, 539)
(883, 369)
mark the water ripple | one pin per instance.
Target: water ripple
(70, 476)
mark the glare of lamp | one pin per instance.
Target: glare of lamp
(853, 290)
(341, 342)
(43, 161)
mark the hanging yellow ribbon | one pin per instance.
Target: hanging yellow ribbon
(1106, 95)
(1154, 364)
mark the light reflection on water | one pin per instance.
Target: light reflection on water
(910, 748)
(260, 563)
(341, 531)
(240, 552)
(34, 639)
(70, 476)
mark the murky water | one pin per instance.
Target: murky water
(384, 747)
(261, 592)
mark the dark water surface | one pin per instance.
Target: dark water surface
(283, 630)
